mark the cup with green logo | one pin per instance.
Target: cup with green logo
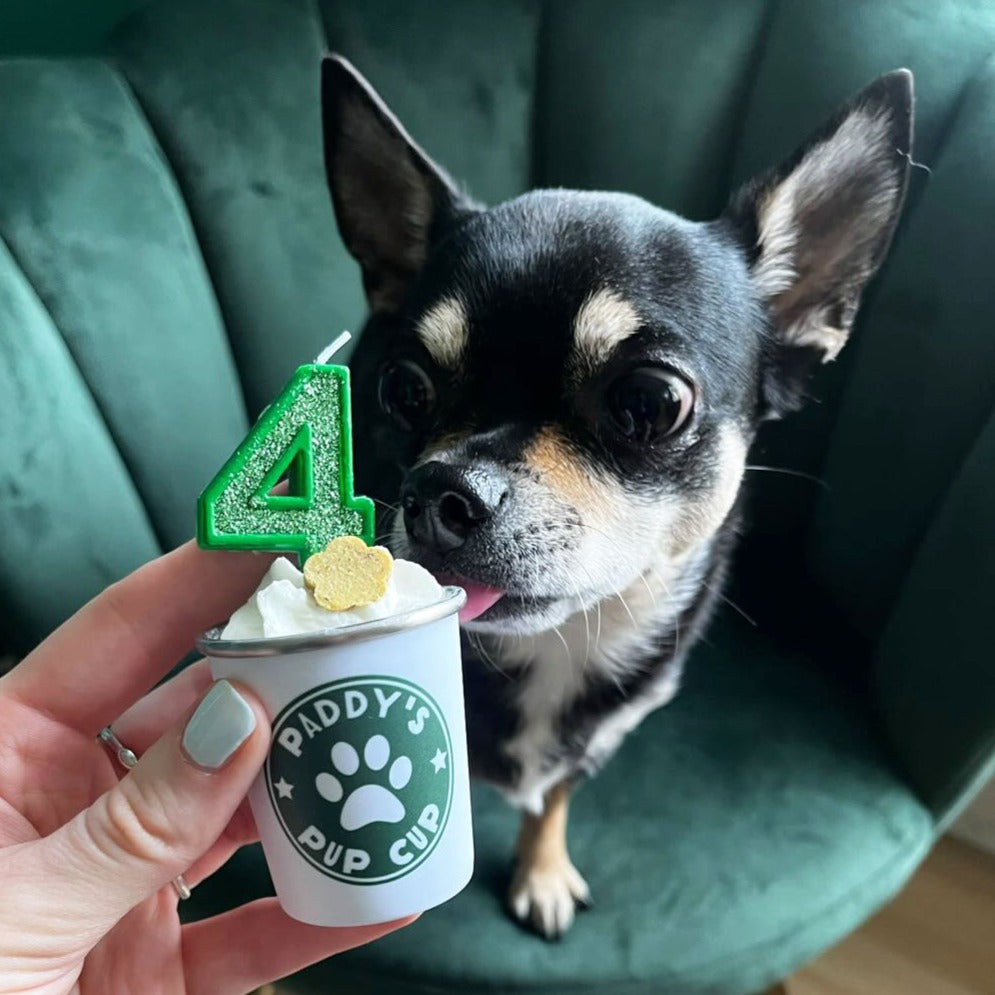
(363, 805)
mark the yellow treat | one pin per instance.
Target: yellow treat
(348, 574)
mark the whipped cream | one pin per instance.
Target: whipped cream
(283, 606)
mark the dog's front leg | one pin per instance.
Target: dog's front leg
(546, 887)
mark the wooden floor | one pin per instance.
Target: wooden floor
(936, 938)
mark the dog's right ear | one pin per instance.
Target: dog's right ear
(391, 201)
(818, 226)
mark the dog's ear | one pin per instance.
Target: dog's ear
(391, 201)
(818, 226)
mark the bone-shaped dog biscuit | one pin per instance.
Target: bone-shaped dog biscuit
(348, 574)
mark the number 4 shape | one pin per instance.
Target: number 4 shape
(306, 435)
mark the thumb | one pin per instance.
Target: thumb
(158, 820)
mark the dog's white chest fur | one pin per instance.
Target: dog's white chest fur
(553, 669)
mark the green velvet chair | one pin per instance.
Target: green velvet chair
(168, 256)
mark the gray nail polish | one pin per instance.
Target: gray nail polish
(222, 723)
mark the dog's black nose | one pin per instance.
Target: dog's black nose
(443, 504)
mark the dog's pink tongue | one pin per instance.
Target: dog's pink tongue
(478, 599)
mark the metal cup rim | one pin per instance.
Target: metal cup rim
(210, 643)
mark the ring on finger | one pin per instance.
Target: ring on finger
(127, 759)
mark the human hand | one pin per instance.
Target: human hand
(86, 859)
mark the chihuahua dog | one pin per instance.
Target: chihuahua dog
(555, 398)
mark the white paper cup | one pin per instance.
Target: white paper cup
(363, 805)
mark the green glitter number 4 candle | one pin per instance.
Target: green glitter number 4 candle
(305, 435)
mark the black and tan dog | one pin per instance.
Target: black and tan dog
(559, 393)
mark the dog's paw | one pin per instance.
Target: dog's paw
(546, 895)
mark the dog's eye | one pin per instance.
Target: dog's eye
(406, 393)
(649, 403)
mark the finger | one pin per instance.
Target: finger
(115, 648)
(257, 943)
(147, 720)
(240, 831)
(142, 724)
(153, 825)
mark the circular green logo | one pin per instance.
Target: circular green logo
(360, 777)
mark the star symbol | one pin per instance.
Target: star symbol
(283, 789)
(438, 761)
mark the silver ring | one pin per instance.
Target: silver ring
(127, 759)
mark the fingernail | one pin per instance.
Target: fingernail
(224, 720)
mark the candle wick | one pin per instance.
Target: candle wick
(330, 350)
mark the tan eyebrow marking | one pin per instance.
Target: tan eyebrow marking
(603, 321)
(444, 329)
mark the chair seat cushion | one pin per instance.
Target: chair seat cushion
(738, 832)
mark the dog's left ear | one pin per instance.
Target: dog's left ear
(818, 227)
(391, 200)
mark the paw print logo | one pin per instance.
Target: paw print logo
(360, 777)
(370, 801)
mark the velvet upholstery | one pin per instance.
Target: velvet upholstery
(168, 255)
(740, 831)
